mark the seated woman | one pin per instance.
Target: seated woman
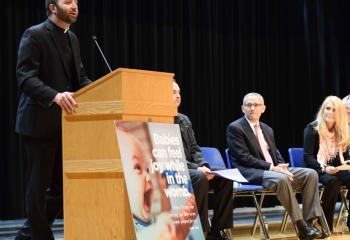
(325, 149)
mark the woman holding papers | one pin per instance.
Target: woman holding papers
(325, 149)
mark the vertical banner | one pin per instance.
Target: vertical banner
(160, 193)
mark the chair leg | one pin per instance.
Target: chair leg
(323, 221)
(343, 198)
(343, 194)
(228, 232)
(262, 196)
(339, 218)
(284, 222)
(324, 224)
(261, 219)
(295, 228)
(209, 220)
(321, 190)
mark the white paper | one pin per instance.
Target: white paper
(231, 174)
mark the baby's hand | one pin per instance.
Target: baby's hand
(187, 216)
(164, 227)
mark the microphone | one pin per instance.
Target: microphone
(94, 39)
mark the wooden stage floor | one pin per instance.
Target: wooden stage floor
(242, 232)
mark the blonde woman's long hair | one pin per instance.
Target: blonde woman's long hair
(341, 122)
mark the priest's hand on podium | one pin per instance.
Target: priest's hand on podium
(66, 101)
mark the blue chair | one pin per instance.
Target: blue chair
(250, 190)
(213, 156)
(296, 159)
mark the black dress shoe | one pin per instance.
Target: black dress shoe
(217, 235)
(23, 234)
(323, 235)
(306, 232)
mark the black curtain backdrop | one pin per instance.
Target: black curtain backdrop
(293, 52)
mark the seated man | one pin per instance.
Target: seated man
(254, 153)
(203, 180)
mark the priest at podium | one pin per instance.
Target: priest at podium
(49, 70)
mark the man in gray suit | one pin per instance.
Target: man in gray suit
(254, 153)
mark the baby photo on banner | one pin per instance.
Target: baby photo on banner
(160, 193)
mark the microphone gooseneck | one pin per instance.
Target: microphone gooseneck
(94, 39)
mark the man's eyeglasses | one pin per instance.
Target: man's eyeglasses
(255, 105)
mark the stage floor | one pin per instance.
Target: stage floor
(243, 221)
(242, 232)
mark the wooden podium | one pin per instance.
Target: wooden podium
(96, 204)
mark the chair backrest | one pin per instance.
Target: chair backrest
(213, 156)
(228, 158)
(296, 157)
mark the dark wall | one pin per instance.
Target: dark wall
(294, 52)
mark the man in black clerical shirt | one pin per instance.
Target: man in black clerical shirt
(49, 70)
(203, 180)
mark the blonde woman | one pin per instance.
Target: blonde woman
(325, 143)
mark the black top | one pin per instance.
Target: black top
(193, 152)
(64, 45)
(43, 70)
(311, 147)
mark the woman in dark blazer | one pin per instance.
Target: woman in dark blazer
(326, 141)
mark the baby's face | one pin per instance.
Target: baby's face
(141, 184)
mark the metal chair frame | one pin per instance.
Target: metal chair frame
(344, 204)
(250, 190)
(240, 190)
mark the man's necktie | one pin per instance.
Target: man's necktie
(261, 142)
